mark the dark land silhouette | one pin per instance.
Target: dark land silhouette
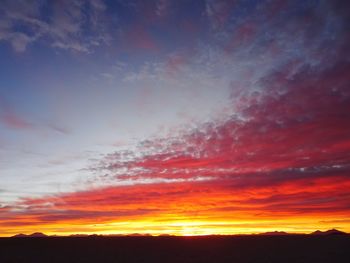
(321, 247)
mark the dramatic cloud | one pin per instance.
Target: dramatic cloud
(287, 157)
(273, 153)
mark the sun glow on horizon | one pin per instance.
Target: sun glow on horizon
(167, 117)
(182, 227)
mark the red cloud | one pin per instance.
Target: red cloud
(286, 157)
(209, 201)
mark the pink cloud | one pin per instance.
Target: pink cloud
(10, 118)
(300, 129)
(14, 121)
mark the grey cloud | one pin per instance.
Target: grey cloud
(63, 30)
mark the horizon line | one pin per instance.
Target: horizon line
(332, 231)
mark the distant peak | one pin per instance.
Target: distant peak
(20, 235)
(36, 234)
(328, 232)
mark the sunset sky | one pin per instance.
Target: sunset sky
(174, 117)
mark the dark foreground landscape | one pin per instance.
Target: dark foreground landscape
(282, 249)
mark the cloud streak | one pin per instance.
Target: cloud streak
(24, 22)
(278, 154)
(10, 118)
(286, 157)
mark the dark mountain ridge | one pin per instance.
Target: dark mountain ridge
(272, 233)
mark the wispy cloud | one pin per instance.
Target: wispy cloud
(14, 121)
(10, 118)
(23, 22)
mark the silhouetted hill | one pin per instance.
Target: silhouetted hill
(36, 234)
(169, 249)
(20, 235)
(79, 235)
(139, 235)
(328, 232)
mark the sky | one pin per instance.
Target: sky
(174, 117)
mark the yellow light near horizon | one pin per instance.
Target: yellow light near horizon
(182, 227)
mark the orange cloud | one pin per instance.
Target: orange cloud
(214, 206)
(280, 162)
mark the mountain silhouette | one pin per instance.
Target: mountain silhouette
(20, 235)
(328, 232)
(174, 249)
(36, 234)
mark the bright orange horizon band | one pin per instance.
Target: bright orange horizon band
(201, 208)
